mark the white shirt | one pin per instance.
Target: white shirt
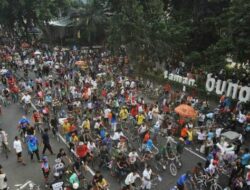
(17, 145)
(132, 157)
(97, 125)
(201, 136)
(118, 135)
(26, 99)
(91, 146)
(150, 115)
(130, 179)
(218, 132)
(147, 174)
(106, 113)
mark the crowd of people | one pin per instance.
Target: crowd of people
(85, 97)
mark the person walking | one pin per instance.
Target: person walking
(17, 145)
(4, 142)
(46, 142)
(45, 169)
(33, 147)
(3, 179)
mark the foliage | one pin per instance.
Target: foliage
(202, 33)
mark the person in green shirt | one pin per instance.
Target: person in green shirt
(74, 181)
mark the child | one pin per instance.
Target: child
(46, 169)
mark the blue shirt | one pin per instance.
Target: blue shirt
(23, 121)
(245, 159)
(182, 180)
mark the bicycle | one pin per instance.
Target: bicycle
(203, 181)
(155, 181)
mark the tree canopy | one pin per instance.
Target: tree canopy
(198, 32)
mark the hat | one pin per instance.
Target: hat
(248, 167)
(81, 143)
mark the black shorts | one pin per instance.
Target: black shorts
(19, 155)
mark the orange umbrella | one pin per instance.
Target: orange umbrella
(25, 45)
(185, 110)
(80, 63)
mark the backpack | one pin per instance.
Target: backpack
(32, 144)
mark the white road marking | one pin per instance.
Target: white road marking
(64, 141)
(92, 171)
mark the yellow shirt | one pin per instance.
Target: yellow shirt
(66, 127)
(86, 124)
(190, 135)
(123, 114)
(74, 139)
(102, 183)
(140, 119)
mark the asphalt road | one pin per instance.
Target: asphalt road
(18, 174)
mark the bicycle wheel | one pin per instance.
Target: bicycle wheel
(215, 186)
(173, 169)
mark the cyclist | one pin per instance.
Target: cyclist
(198, 170)
(130, 179)
(102, 183)
(58, 183)
(182, 181)
(58, 167)
(74, 181)
(147, 177)
(23, 125)
(123, 113)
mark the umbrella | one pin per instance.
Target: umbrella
(185, 110)
(80, 63)
(25, 45)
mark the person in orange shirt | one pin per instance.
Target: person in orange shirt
(146, 137)
(184, 133)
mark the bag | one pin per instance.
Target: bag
(32, 145)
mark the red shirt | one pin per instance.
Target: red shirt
(134, 111)
(82, 150)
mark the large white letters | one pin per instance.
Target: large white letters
(231, 89)
(210, 83)
(178, 78)
(244, 94)
(220, 88)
